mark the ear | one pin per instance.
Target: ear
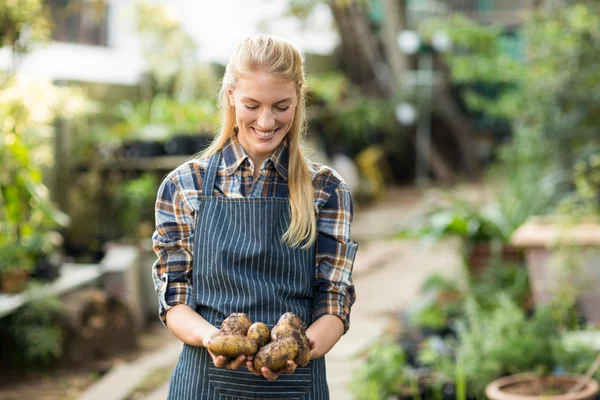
(231, 97)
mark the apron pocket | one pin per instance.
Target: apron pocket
(245, 385)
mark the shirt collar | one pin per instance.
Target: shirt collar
(234, 155)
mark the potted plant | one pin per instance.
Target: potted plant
(482, 230)
(15, 267)
(382, 372)
(440, 302)
(134, 202)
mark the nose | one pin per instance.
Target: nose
(266, 120)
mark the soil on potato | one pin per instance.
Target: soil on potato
(69, 382)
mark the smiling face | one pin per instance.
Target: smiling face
(264, 111)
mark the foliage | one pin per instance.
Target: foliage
(498, 277)
(575, 355)
(23, 23)
(545, 97)
(14, 257)
(382, 373)
(462, 219)
(440, 302)
(28, 109)
(480, 57)
(36, 328)
(500, 342)
(585, 200)
(168, 116)
(174, 95)
(135, 201)
(345, 116)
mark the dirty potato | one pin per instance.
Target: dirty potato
(290, 325)
(275, 354)
(231, 346)
(259, 332)
(236, 324)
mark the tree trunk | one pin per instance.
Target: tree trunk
(459, 124)
(392, 25)
(360, 49)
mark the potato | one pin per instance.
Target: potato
(290, 325)
(275, 354)
(287, 323)
(232, 346)
(236, 324)
(260, 333)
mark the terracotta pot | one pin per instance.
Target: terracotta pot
(13, 281)
(481, 254)
(527, 387)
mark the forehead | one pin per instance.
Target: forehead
(264, 87)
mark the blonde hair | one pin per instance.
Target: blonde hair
(262, 53)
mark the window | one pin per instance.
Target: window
(79, 21)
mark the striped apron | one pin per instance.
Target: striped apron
(240, 265)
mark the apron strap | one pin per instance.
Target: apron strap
(211, 174)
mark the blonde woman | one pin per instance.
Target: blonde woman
(251, 226)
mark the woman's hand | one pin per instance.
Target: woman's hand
(222, 361)
(290, 367)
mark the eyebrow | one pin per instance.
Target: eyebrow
(256, 101)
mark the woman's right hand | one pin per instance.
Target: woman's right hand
(222, 361)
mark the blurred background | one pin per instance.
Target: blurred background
(468, 131)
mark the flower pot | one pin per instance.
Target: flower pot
(480, 254)
(543, 241)
(13, 281)
(533, 387)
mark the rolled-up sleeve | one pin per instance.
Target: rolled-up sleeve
(173, 245)
(335, 255)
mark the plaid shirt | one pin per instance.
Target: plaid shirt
(176, 206)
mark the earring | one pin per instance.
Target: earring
(236, 130)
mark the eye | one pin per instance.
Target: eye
(251, 107)
(283, 108)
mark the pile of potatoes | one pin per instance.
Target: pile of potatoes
(287, 341)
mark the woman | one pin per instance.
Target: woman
(251, 226)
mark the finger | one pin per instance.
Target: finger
(237, 362)
(219, 361)
(270, 375)
(250, 366)
(290, 367)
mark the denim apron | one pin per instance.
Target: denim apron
(240, 265)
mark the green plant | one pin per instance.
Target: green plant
(134, 200)
(502, 341)
(36, 329)
(461, 219)
(22, 24)
(14, 257)
(430, 316)
(163, 116)
(382, 373)
(500, 277)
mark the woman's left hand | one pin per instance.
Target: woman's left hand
(290, 367)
